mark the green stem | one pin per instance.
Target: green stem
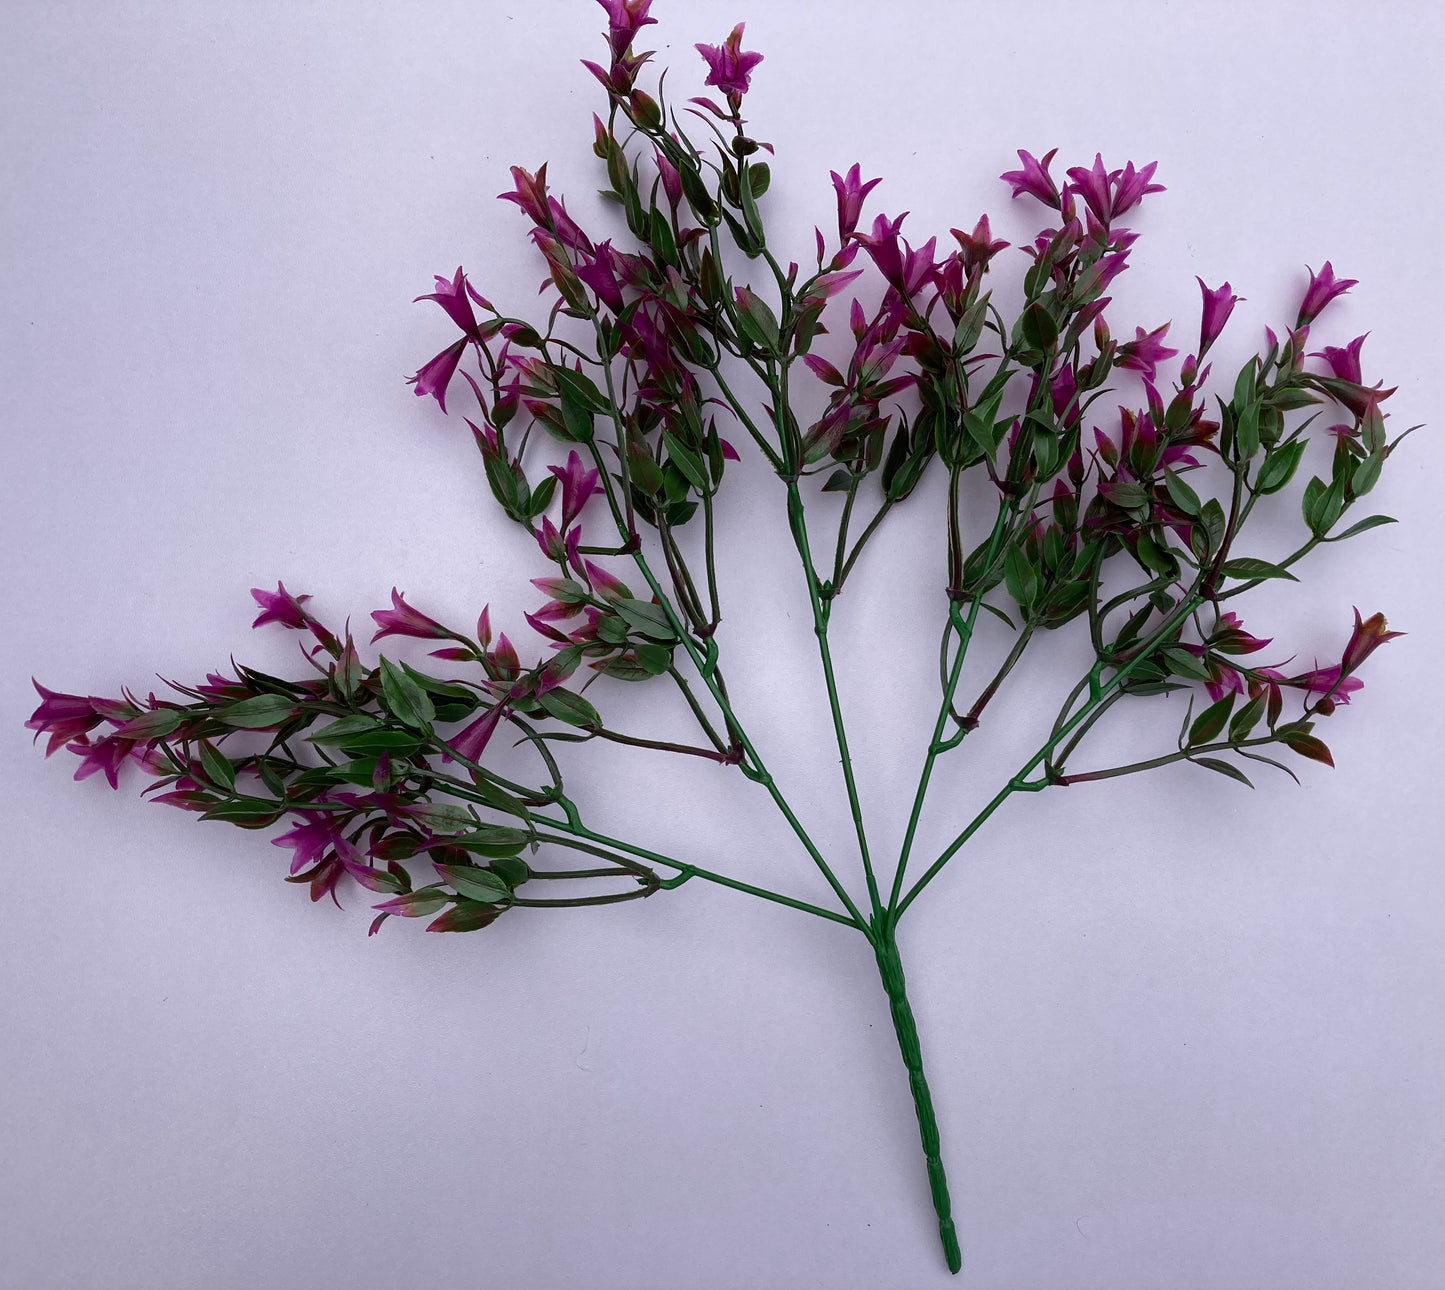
(964, 628)
(890, 969)
(1020, 782)
(799, 524)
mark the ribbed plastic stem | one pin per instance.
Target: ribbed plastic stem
(890, 968)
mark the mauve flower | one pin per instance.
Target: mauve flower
(1218, 305)
(106, 756)
(1366, 638)
(434, 378)
(1323, 288)
(904, 268)
(568, 230)
(1093, 186)
(403, 620)
(729, 68)
(979, 247)
(625, 18)
(1034, 178)
(472, 742)
(1344, 363)
(280, 606)
(1231, 638)
(671, 179)
(578, 484)
(852, 192)
(601, 275)
(64, 717)
(1131, 186)
(310, 839)
(1326, 680)
(452, 296)
(1146, 351)
(530, 193)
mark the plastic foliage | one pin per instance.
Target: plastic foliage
(664, 347)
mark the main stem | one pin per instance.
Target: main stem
(890, 969)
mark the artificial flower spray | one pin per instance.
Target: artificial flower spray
(606, 427)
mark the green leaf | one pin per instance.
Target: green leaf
(541, 497)
(571, 708)
(1183, 663)
(513, 870)
(404, 698)
(259, 713)
(756, 320)
(1246, 433)
(442, 817)
(1244, 385)
(372, 743)
(1309, 746)
(687, 461)
(155, 724)
(1247, 718)
(1184, 497)
(217, 766)
(1039, 327)
(465, 916)
(1366, 473)
(1373, 522)
(649, 619)
(338, 732)
(247, 812)
(1279, 467)
(576, 417)
(492, 840)
(1250, 568)
(1223, 768)
(475, 883)
(1211, 721)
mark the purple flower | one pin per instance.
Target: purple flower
(1344, 363)
(434, 378)
(1146, 351)
(1093, 186)
(64, 717)
(852, 192)
(106, 756)
(729, 68)
(625, 18)
(904, 268)
(1231, 638)
(1218, 305)
(452, 296)
(403, 620)
(601, 276)
(1323, 288)
(979, 247)
(472, 742)
(1034, 178)
(1131, 186)
(530, 193)
(310, 839)
(578, 484)
(280, 606)
(1366, 638)
(671, 179)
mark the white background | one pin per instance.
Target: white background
(1179, 1034)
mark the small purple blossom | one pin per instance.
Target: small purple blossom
(730, 69)
(1344, 362)
(106, 755)
(402, 620)
(530, 193)
(578, 484)
(852, 192)
(1218, 305)
(310, 839)
(64, 717)
(1034, 178)
(978, 247)
(625, 18)
(1323, 288)
(1146, 351)
(1093, 185)
(434, 378)
(280, 606)
(452, 296)
(1132, 186)
(1368, 635)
